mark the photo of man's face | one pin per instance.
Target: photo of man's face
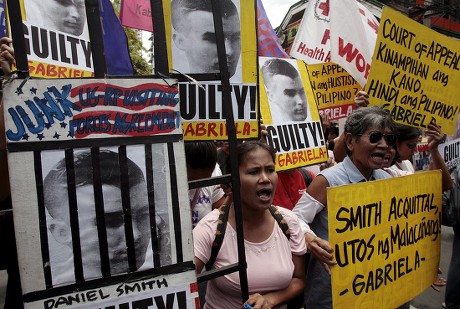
(289, 95)
(68, 16)
(195, 35)
(285, 91)
(116, 240)
(120, 216)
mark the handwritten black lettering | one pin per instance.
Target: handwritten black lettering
(407, 235)
(406, 206)
(359, 216)
(357, 249)
(397, 34)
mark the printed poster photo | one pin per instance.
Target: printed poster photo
(57, 38)
(285, 91)
(288, 109)
(125, 250)
(194, 47)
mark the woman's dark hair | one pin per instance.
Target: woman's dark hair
(405, 133)
(246, 147)
(201, 154)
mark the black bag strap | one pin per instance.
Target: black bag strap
(281, 221)
(222, 226)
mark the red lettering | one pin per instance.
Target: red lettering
(247, 128)
(326, 36)
(212, 129)
(294, 158)
(360, 63)
(348, 50)
(189, 130)
(301, 157)
(200, 129)
(62, 72)
(288, 159)
(51, 70)
(40, 69)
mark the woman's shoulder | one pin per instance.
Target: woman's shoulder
(208, 221)
(290, 217)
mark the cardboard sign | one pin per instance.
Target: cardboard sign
(192, 49)
(289, 111)
(57, 39)
(415, 73)
(203, 117)
(325, 35)
(450, 152)
(101, 215)
(91, 108)
(334, 90)
(422, 157)
(386, 237)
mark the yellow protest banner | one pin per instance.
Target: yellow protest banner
(415, 73)
(212, 130)
(333, 88)
(289, 111)
(386, 238)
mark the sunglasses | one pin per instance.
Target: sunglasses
(375, 137)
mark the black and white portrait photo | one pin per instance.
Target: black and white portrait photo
(68, 16)
(194, 48)
(285, 90)
(98, 213)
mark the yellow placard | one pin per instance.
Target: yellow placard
(48, 70)
(216, 130)
(386, 238)
(297, 142)
(415, 73)
(333, 88)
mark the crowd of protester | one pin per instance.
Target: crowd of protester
(284, 213)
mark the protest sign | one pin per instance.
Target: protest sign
(101, 214)
(192, 49)
(203, 117)
(451, 152)
(322, 39)
(289, 111)
(333, 88)
(57, 39)
(422, 156)
(386, 237)
(415, 73)
(352, 37)
(136, 14)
